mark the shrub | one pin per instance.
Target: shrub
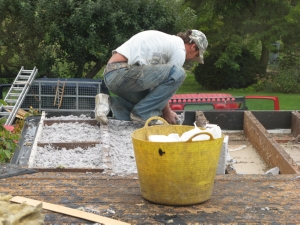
(213, 78)
(7, 143)
(289, 60)
(8, 139)
(264, 83)
(287, 81)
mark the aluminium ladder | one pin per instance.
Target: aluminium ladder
(16, 94)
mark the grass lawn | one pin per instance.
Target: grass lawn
(286, 101)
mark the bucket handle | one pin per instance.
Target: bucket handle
(195, 135)
(155, 118)
(166, 123)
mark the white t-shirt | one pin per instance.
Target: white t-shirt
(153, 47)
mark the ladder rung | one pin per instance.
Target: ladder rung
(20, 82)
(11, 100)
(17, 88)
(4, 113)
(14, 94)
(26, 71)
(7, 107)
(24, 76)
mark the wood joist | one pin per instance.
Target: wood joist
(268, 148)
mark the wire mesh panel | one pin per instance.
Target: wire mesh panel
(75, 96)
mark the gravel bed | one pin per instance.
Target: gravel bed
(70, 132)
(48, 157)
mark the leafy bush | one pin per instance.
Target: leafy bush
(3, 81)
(214, 78)
(8, 139)
(289, 60)
(264, 82)
(7, 143)
(283, 81)
(287, 81)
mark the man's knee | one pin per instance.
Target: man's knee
(178, 73)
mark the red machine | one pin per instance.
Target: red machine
(211, 101)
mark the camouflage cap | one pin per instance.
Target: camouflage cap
(200, 40)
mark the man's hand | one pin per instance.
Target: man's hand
(170, 116)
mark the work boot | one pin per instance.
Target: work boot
(102, 108)
(134, 117)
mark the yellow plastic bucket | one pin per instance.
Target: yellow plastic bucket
(175, 173)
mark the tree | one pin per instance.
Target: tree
(290, 40)
(83, 33)
(21, 42)
(233, 25)
(291, 37)
(215, 78)
(78, 33)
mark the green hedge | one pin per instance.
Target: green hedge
(213, 78)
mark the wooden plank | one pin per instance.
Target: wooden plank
(49, 122)
(236, 199)
(283, 139)
(21, 113)
(70, 145)
(37, 137)
(271, 152)
(295, 130)
(73, 170)
(68, 211)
